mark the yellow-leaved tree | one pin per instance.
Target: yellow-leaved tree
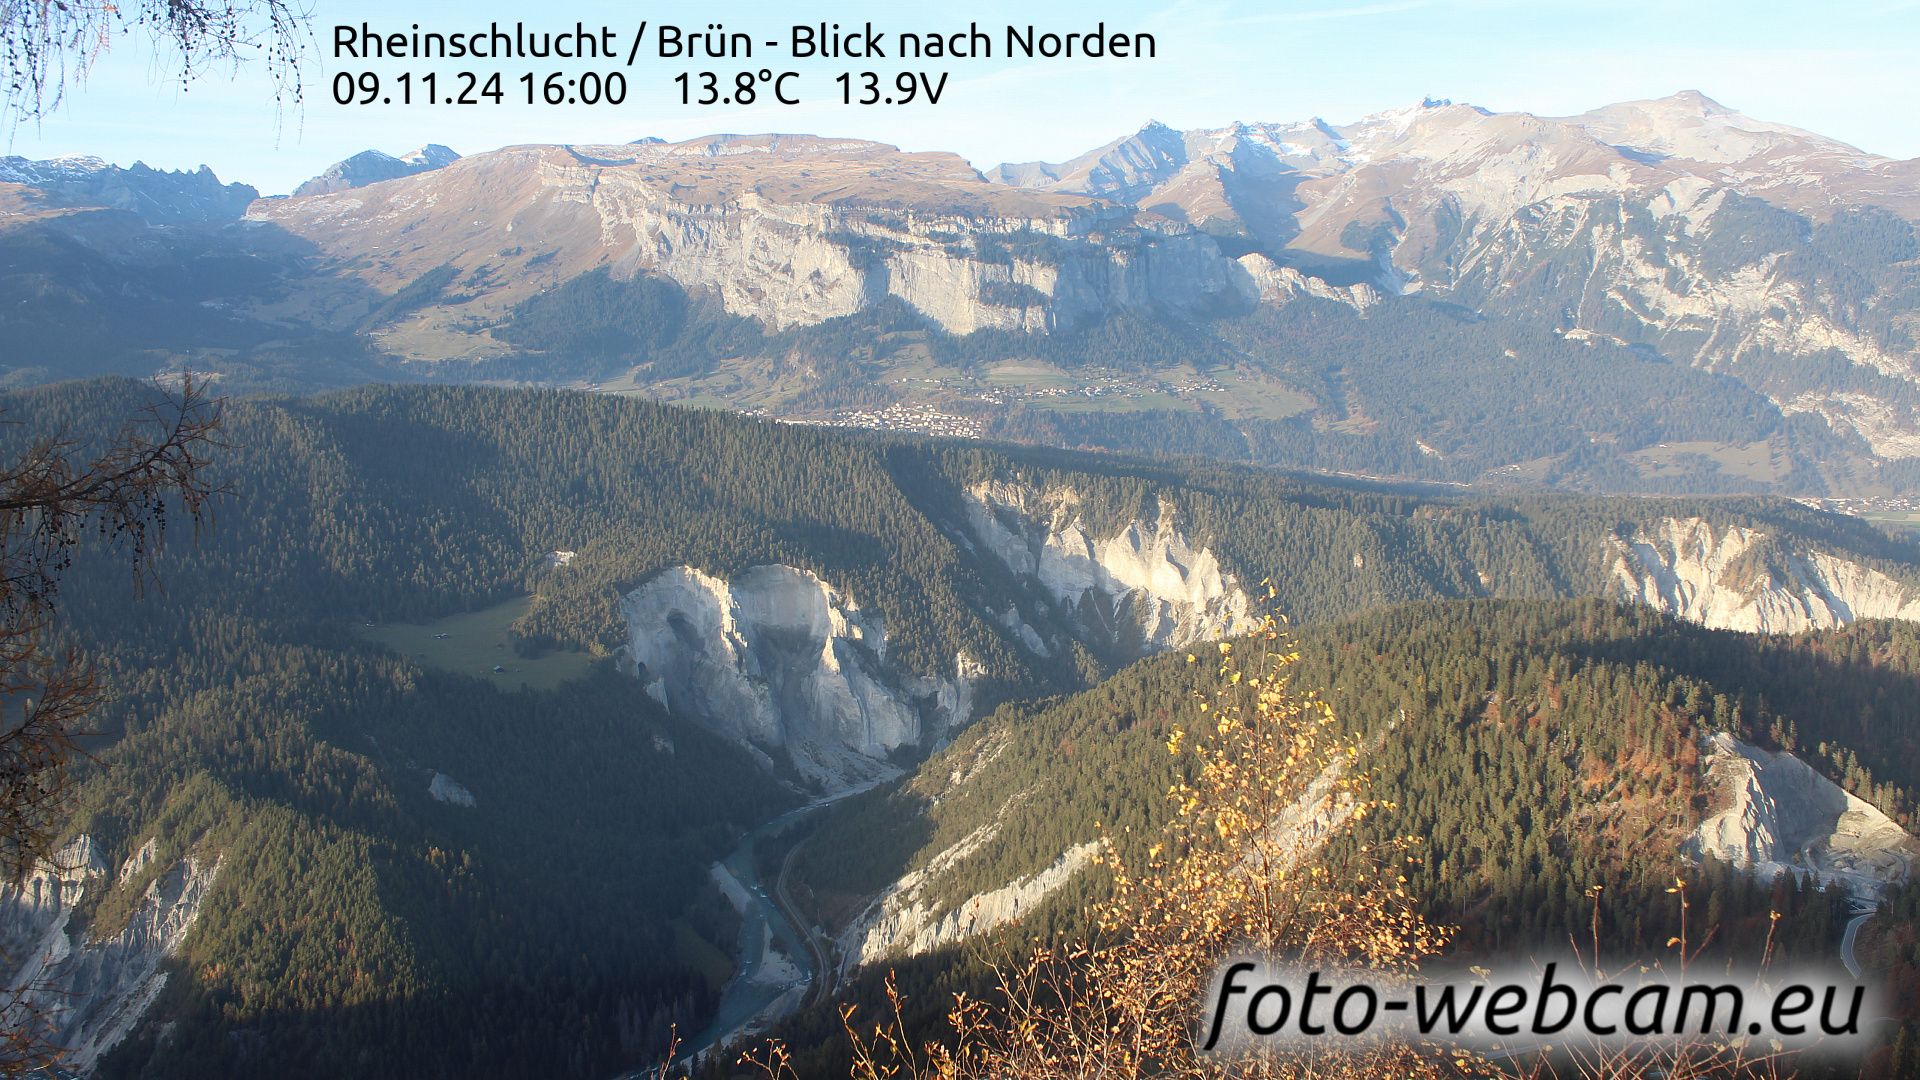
(1244, 866)
(1240, 868)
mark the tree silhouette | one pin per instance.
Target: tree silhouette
(47, 46)
(54, 497)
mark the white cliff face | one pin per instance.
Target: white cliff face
(778, 660)
(1687, 569)
(446, 789)
(1774, 813)
(787, 231)
(797, 264)
(92, 990)
(48, 893)
(904, 921)
(1271, 283)
(907, 918)
(1145, 585)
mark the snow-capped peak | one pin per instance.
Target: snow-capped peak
(432, 156)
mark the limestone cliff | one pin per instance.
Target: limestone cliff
(908, 918)
(1145, 588)
(778, 660)
(906, 921)
(786, 230)
(1739, 578)
(92, 989)
(1271, 283)
(775, 659)
(1773, 812)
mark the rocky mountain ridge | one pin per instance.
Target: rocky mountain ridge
(373, 166)
(1486, 162)
(787, 230)
(1655, 296)
(1676, 224)
(157, 196)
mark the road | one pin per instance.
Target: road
(822, 983)
(1862, 911)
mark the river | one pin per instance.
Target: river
(746, 998)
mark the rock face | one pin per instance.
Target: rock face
(93, 990)
(1143, 589)
(1676, 224)
(446, 789)
(372, 166)
(905, 921)
(162, 198)
(1774, 813)
(1742, 579)
(1270, 283)
(778, 660)
(1676, 231)
(908, 918)
(787, 230)
(1125, 168)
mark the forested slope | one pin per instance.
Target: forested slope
(1545, 757)
(359, 924)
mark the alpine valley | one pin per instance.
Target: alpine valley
(662, 589)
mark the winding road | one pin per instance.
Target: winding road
(821, 983)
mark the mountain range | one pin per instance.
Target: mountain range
(1653, 296)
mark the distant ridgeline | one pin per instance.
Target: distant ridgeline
(1654, 297)
(375, 866)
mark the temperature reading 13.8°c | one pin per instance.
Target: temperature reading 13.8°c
(742, 88)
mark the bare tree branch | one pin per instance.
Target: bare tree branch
(48, 46)
(52, 499)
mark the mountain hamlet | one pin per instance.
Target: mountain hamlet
(673, 587)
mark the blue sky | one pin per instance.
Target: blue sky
(1842, 70)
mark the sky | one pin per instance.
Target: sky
(1843, 70)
